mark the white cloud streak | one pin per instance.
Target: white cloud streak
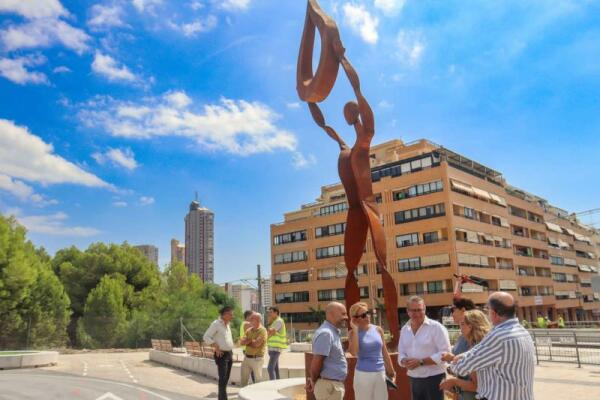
(361, 22)
(54, 225)
(410, 47)
(390, 7)
(15, 70)
(25, 156)
(234, 126)
(118, 157)
(32, 9)
(234, 5)
(146, 200)
(106, 16)
(108, 67)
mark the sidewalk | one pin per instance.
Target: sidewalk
(566, 381)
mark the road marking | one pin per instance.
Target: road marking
(109, 396)
(85, 368)
(160, 396)
(128, 372)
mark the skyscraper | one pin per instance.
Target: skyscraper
(149, 251)
(177, 251)
(199, 242)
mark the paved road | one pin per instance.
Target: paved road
(89, 376)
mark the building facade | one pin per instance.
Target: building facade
(267, 296)
(199, 242)
(245, 295)
(149, 251)
(177, 251)
(443, 214)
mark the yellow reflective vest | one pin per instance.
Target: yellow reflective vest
(278, 339)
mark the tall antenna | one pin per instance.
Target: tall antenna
(196, 195)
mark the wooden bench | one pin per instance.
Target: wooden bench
(193, 349)
(155, 344)
(166, 345)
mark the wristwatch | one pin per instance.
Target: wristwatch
(421, 363)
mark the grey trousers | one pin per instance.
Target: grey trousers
(427, 388)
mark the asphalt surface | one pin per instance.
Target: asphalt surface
(39, 384)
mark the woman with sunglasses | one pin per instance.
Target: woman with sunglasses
(367, 343)
(474, 325)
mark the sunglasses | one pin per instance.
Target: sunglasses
(364, 315)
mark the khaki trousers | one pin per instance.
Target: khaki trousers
(251, 365)
(326, 389)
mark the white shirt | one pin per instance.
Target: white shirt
(431, 340)
(220, 333)
(504, 362)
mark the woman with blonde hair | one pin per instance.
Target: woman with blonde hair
(474, 326)
(367, 343)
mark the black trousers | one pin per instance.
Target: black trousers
(427, 388)
(224, 364)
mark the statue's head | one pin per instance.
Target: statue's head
(351, 112)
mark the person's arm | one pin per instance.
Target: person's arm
(464, 384)
(442, 344)
(316, 365)
(209, 337)
(353, 340)
(321, 346)
(276, 328)
(387, 360)
(259, 341)
(483, 355)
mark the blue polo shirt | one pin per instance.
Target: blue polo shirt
(327, 342)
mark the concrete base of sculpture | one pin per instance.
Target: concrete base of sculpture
(402, 381)
(282, 389)
(27, 359)
(300, 347)
(208, 368)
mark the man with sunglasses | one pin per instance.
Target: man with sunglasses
(422, 343)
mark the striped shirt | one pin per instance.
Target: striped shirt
(504, 362)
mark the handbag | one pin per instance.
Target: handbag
(390, 384)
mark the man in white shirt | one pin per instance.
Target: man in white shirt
(219, 336)
(422, 342)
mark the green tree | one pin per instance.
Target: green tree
(34, 308)
(105, 313)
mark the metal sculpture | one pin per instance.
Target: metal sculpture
(353, 163)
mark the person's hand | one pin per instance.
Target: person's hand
(448, 384)
(391, 374)
(353, 325)
(447, 356)
(412, 363)
(310, 385)
(218, 352)
(458, 357)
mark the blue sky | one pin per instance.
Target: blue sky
(112, 114)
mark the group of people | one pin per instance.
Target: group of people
(493, 359)
(255, 340)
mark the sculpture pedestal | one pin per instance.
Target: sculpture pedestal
(402, 381)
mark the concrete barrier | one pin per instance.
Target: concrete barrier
(208, 368)
(300, 347)
(28, 359)
(282, 389)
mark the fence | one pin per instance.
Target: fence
(576, 346)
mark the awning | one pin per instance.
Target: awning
(436, 259)
(561, 293)
(498, 199)
(563, 244)
(553, 227)
(570, 261)
(591, 255)
(553, 241)
(490, 238)
(586, 281)
(584, 268)
(460, 230)
(507, 285)
(498, 239)
(597, 296)
(472, 237)
(594, 269)
(504, 222)
(570, 232)
(461, 186)
(581, 238)
(481, 193)
(572, 295)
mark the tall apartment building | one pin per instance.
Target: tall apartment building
(267, 296)
(177, 251)
(443, 214)
(199, 242)
(245, 295)
(149, 251)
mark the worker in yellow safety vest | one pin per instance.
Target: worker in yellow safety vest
(277, 341)
(541, 321)
(561, 322)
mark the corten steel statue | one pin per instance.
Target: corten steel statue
(354, 163)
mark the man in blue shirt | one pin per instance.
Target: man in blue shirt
(328, 368)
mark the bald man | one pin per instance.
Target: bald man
(328, 368)
(505, 359)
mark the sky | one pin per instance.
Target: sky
(113, 114)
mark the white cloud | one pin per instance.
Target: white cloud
(61, 70)
(178, 99)
(117, 157)
(299, 161)
(390, 7)
(385, 104)
(235, 126)
(198, 26)
(146, 200)
(293, 105)
(26, 156)
(107, 66)
(23, 191)
(54, 224)
(410, 47)
(119, 204)
(361, 22)
(33, 8)
(106, 16)
(234, 5)
(44, 33)
(15, 70)
(196, 5)
(144, 5)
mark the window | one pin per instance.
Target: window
(331, 251)
(330, 230)
(405, 167)
(419, 288)
(289, 237)
(409, 264)
(557, 260)
(470, 213)
(378, 198)
(291, 277)
(418, 190)
(420, 213)
(333, 209)
(559, 277)
(363, 292)
(291, 297)
(337, 272)
(435, 287)
(330, 294)
(292, 256)
(404, 289)
(431, 237)
(410, 239)
(361, 270)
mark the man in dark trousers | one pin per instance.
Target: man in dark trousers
(219, 336)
